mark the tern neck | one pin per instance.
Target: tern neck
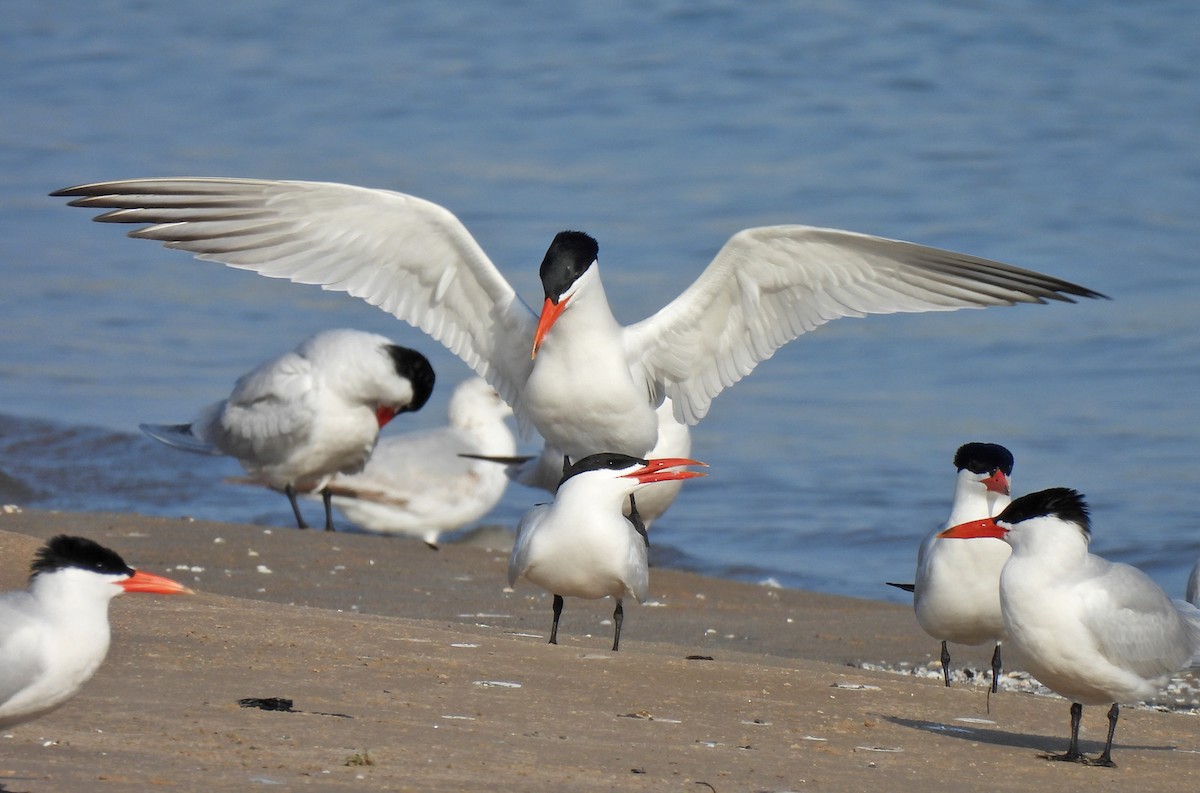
(1049, 541)
(973, 501)
(76, 602)
(603, 496)
(589, 308)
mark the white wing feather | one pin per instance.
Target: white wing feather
(21, 661)
(270, 410)
(406, 255)
(526, 529)
(769, 285)
(1135, 624)
(416, 260)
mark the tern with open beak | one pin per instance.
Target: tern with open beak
(581, 545)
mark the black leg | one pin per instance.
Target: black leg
(996, 669)
(291, 494)
(327, 497)
(618, 618)
(1105, 759)
(558, 604)
(1072, 754)
(946, 663)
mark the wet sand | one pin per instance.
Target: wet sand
(412, 669)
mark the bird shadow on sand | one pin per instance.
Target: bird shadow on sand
(1042, 744)
(4, 788)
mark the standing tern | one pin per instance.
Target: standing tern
(581, 545)
(1094, 631)
(55, 634)
(297, 420)
(420, 483)
(586, 383)
(957, 591)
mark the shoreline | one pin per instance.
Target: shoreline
(412, 669)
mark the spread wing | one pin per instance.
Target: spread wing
(408, 256)
(768, 285)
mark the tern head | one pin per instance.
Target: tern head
(625, 467)
(990, 463)
(81, 564)
(1058, 507)
(368, 369)
(569, 256)
(414, 367)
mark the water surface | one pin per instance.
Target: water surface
(1061, 138)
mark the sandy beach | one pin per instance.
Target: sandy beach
(412, 669)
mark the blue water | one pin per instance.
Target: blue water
(1061, 137)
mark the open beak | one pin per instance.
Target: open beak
(997, 483)
(975, 528)
(148, 582)
(656, 470)
(550, 313)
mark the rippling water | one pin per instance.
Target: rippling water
(1061, 138)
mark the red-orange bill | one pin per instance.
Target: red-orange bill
(149, 582)
(997, 482)
(550, 313)
(974, 528)
(657, 470)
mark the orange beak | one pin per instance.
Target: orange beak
(148, 582)
(975, 528)
(997, 483)
(384, 414)
(550, 314)
(655, 470)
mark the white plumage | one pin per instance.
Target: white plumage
(956, 595)
(297, 420)
(594, 384)
(674, 440)
(581, 545)
(419, 484)
(1094, 631)
(55, 634)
